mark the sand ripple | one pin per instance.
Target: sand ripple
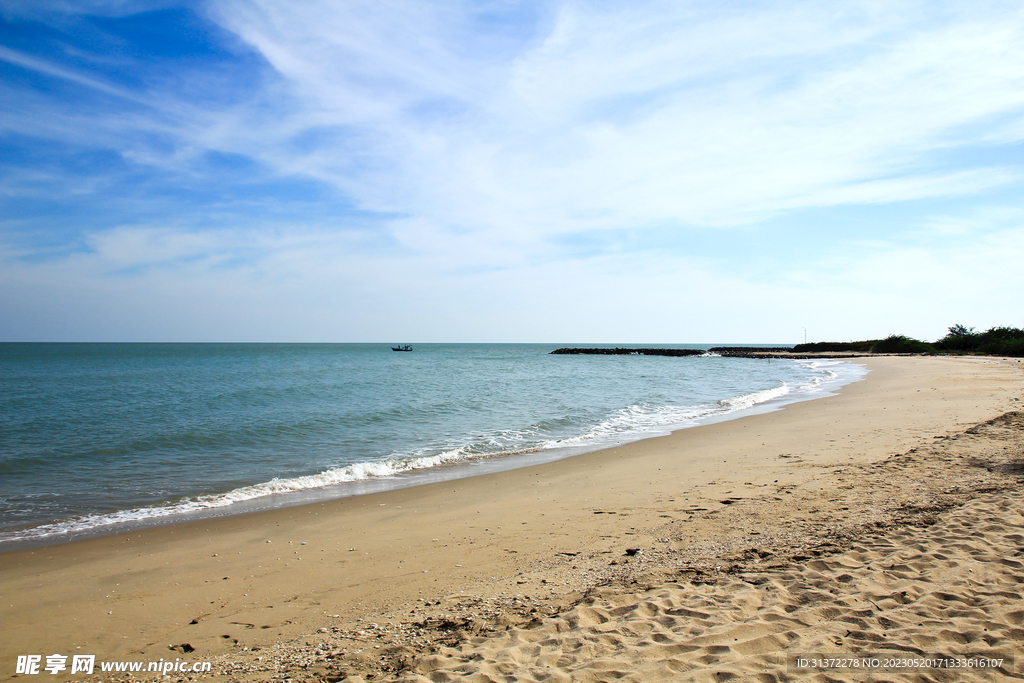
(952, 588)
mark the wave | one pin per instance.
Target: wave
(626, 424)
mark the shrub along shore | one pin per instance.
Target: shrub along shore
(996, 341)
(959, 340)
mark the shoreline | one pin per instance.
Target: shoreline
(155, 516)
(227, 585)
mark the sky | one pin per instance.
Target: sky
(692, 171)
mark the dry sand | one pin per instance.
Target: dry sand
(886, 519)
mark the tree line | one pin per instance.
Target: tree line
(960, 339)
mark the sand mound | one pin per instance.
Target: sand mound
(950, 589)
(918, 556)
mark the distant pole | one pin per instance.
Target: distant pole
(805, 335)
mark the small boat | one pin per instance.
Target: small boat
(403, 347)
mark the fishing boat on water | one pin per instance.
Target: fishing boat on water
(401, 347)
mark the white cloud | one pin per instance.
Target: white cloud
(637, 115)
(492, 148)
(154, 284)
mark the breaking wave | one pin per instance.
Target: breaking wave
(629, 423)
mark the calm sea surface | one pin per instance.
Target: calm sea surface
(93, 436)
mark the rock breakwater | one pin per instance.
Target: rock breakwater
(738, 351)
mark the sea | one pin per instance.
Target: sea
(105, 437)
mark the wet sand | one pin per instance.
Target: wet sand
(526, 573)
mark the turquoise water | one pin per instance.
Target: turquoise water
(96, 435)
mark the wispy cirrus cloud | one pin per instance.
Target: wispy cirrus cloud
(632, 117)
(468, 146)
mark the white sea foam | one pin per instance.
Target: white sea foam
(332, 477)
(628, 423)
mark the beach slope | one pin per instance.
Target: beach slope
(721, 548)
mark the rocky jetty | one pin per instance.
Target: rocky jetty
(737, 351)
(631, 352)
(749, 351)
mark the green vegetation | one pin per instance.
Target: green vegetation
(998, 341)
(830, 347)
(897, 343)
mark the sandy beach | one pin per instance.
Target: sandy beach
(887, 519)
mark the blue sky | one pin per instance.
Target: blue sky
(702, 171)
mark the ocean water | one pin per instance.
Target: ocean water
(94, 437)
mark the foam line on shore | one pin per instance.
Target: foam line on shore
(297, 591)
(631, 423)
